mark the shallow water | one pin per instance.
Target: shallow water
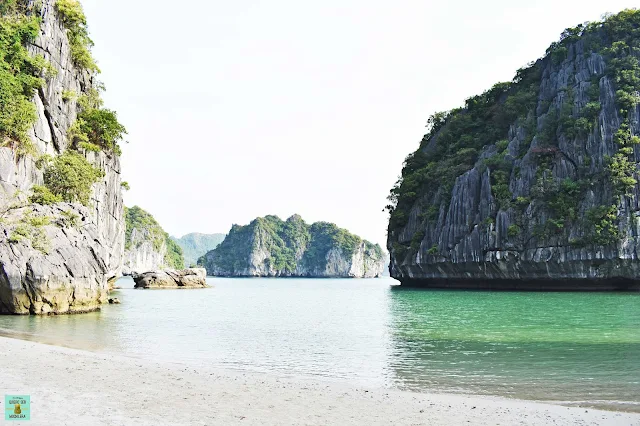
(569, 347)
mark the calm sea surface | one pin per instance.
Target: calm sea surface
(568, 347)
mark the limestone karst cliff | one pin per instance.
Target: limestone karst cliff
(147, 246)
(61, 211)
(270, 247)
(532, 184)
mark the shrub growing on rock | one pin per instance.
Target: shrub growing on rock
(70, 176)
(43, 196)
(19, 77)
(74, 20)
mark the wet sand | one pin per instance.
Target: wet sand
(74, 387)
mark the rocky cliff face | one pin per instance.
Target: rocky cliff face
(59, 258)
(270, 247)
(532, 184)
(143, 254)
(147, 246)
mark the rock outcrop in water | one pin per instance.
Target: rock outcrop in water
(270, 247)
(532, 184)
(61, 244)
(147, 246)
(171, 278)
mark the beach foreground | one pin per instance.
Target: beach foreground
(71, 387)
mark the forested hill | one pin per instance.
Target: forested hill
(270, 247)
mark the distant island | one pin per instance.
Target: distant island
(271, 247)
(195, 245)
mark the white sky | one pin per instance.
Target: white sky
(243, 108)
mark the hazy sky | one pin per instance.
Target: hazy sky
(237, 109)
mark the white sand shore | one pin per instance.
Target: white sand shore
(73, 387)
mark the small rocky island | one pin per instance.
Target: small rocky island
(171, 278)
(271, 247)
(534, 183)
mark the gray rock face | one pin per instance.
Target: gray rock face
(473, 242)
(171, 278)
(147, 246)
(143, 255)
(74, 275)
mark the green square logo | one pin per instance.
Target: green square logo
(17, 408)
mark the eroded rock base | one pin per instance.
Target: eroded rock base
(171, 278)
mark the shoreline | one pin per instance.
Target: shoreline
(71, 386)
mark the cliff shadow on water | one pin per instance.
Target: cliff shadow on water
(547, 285)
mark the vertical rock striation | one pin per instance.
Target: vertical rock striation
(143, 253)
(532, 184)
(84, 245)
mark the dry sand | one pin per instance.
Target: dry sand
(74, 387)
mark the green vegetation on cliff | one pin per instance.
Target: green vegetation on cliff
(67, 177)
(174, 257)
(233, 253)
(96, 128)
(74, 20)
(476, 135)
(286, 245)
(325, 236)
(20, 76)
(147, 229)
(195, 245)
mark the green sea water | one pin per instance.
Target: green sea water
(573, 348)
(568, 347)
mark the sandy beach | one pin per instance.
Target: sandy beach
(74, 387)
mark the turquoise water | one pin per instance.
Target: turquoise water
(575, 348)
